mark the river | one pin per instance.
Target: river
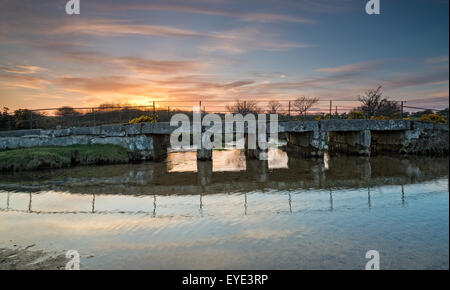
(288, 213)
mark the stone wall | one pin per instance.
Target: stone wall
(366, 137)
(151, 140)
(350, 142)
(308, 144)
(421, 138)
(131, 137)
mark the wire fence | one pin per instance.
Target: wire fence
(66, 117)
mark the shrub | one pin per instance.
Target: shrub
(324, 117)
(145, 119)
(380, 118)
(434, 118)
(332, 117)
(355, 115)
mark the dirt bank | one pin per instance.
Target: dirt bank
(26, 259)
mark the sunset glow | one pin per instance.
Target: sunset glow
(178, 53)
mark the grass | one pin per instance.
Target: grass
(61, 156)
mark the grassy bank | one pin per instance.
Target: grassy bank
(61, 157)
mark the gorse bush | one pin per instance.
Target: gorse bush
(145, 119)
(434, 118)
(381, 118)
(324, 117)
(328, 117)
(356, 115)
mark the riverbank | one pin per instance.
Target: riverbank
(25, 259)
(53, 157)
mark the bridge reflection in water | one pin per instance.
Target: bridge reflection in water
(93, 210)
(287, 183)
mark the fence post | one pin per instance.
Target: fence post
(93, 113)
(168, 113)
(401, 111)
(154, 108)
(31, 119)
(289, 111)
(331, 108)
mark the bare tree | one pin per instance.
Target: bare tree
(110, 107)
(67, 111)
(371, 101)
(274, 107)
(303, 104)
(374, 104)
(244, 107)
(388, 108)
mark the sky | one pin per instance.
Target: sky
(217, 51)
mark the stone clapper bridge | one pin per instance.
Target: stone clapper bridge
(308, 138)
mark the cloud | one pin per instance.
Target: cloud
(430, 102)
(234, 41)
(320, 6)
(22, 81)
(148, 66)
(118, 88)
(107, 84)
(21, 69)
(443, 94)
(438, 77)
(270, 75)
(107, 27)
(240, 15)
(244, 39)
(439, 59)
(237, 84)
(362, 66)
(77, 54)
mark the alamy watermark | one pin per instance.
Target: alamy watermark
(373, 7)
(210, 131)
(73, 7)
(74, 262)
(374, 262)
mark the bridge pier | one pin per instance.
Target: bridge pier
(257, 152)
(258, 168)
(307, 144)
(388, 141)
(204, 172)
(357, 166)
(160, 145)
(204, 154)
(350, 142)
(312, 169)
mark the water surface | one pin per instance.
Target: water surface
(288, 213)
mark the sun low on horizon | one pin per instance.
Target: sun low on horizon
(178, 53)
